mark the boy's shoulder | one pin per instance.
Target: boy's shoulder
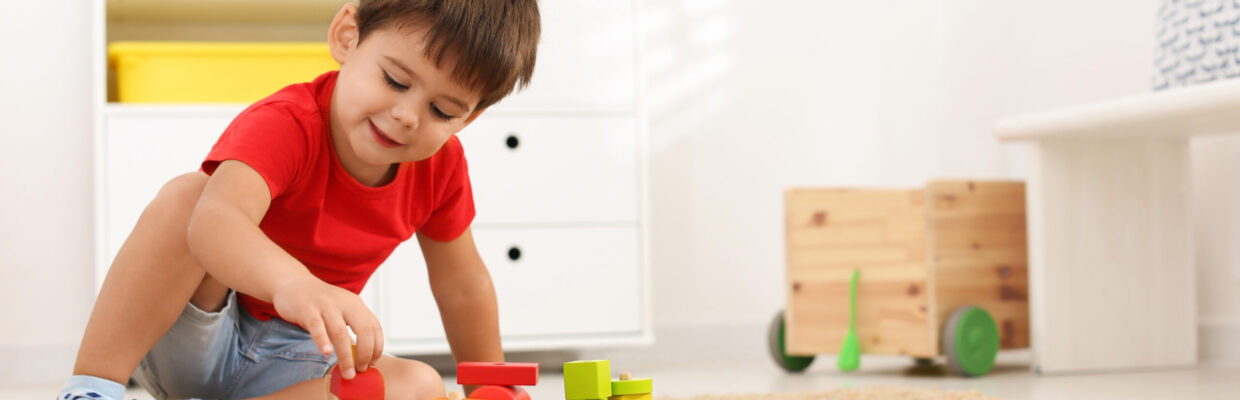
(306, 101)
(281, 135)
(295, 115)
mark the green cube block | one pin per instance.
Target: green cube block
(587, 380)
(631, 386)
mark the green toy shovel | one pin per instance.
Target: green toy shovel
(850, 352)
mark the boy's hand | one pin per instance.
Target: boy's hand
(328, 312)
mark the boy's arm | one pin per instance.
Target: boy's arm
(466, 298)
(225, 238)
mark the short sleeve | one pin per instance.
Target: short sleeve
(454, 211)
(269, 138)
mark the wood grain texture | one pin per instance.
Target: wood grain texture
(831, 232)
(922, 254)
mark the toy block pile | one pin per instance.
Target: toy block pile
(497, 380)
(591, 380)
(583, 380)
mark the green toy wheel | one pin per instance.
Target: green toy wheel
(775, 342)
(970, 341)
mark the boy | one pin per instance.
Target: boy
(241, 280)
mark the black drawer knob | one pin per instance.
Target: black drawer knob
(514, 253)
(512, 142)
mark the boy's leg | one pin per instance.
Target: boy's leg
(402, 380)
(147, 286)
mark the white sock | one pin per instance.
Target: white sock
(85, 387)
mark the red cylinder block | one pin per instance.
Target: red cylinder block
(499, 393)
(365, 386)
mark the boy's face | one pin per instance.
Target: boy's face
(392, 104)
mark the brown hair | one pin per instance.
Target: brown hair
(494, 41)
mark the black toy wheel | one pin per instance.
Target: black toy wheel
(776, 343)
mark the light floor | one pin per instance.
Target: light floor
(1010, 380)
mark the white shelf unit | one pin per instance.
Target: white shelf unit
(558, 170)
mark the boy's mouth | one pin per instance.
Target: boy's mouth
(381, 137)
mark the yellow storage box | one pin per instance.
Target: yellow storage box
(212, 72)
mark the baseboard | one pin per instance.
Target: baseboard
(674, 344)
(1217, 341)
(693, 345)
(680, 343)
(36, 365)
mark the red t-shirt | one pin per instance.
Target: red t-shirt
(339, 228)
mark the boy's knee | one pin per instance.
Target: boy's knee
(185, 188)
(412, 380)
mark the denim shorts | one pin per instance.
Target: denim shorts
(229, 354)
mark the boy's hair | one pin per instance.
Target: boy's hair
(494, 41)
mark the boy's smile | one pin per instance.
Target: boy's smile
(392, 104)
(383, 138)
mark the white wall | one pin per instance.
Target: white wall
(45, 188)
(749, 98)
(745, 99)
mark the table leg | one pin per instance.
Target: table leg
(1112, 276)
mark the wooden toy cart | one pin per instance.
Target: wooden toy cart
(942, 272)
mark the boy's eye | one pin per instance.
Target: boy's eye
(391, 82)
(440, 114)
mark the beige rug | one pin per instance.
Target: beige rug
(872, 393)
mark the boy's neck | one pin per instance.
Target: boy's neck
(373, 176)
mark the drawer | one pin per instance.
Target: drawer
(553, 169)
(524, 169)
(586, 58)
(564, 281)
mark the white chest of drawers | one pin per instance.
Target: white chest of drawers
(558, 173)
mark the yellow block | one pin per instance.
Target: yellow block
(643, 396)
(212, 72)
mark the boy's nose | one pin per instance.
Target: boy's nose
(405, 116)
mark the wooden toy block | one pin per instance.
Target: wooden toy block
(497, 373)
(453, 395)
(640, 396)
(626, 385)
(365, 386)
(587, 380)
(496, 392)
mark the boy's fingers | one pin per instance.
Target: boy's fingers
(369, 332)
(365, 349)
(339, 333)
(319, 334)
(378, 343)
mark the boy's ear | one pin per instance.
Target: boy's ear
(342, 35)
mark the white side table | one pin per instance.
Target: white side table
(1112, 274)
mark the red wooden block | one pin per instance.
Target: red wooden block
(499, 393)
(497, 374)
(365, 386)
